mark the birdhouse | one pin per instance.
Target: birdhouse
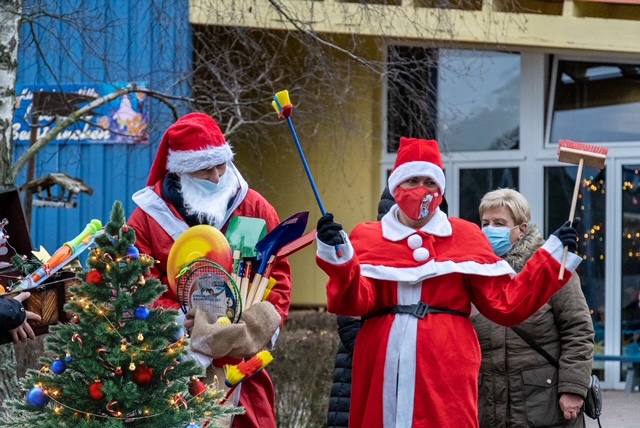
(56, 190)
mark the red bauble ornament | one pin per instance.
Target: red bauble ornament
(119, 372)
(125, 228)
(76, 319)
(95, 391)
(143, 375)
(197, 387)
(94, 277)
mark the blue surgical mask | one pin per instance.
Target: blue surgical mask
(206, 187)
(500, 238)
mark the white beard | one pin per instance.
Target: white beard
(205, 202)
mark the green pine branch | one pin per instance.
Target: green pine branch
(25, 265)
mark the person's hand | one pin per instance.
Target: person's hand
(24, 330)
(188, 324)
(568, 235)
(571, 405)
(329, 231)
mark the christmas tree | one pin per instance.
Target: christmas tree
(119, 362)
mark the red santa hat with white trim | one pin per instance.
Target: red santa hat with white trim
(193, 143)
(417, 158)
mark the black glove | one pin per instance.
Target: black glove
(329, 231)
(568, 235)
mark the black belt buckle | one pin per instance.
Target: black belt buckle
(421, 310)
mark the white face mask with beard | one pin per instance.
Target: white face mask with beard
(207, 200)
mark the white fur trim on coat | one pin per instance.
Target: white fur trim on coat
(416, 169)
(195, 160)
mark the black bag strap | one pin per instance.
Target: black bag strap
(549, 358)
(520, 332)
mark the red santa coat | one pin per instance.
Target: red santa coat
(158, 224)
(411, 372)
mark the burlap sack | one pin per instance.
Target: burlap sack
(240, 340)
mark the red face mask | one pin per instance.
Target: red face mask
(418, 202)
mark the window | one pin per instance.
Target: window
(630, 263)
(478, 100)
(411, 81)
(467, 99)
(595, 102)
(477, 182)
(559, 183)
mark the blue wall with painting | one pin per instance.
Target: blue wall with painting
(102, 43)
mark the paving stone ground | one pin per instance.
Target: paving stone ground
(619, 410)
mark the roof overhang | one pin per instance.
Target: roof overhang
(486, 27)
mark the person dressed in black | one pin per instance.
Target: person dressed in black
(340, 398)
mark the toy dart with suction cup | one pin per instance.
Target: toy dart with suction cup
(63, 256)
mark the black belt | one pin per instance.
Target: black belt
(419, 310)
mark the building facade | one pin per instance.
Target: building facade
(499, 84)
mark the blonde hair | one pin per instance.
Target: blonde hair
(513, 200)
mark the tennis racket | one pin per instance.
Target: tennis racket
(205, 284)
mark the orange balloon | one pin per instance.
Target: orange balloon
(198, 242)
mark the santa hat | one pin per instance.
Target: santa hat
(417, 158)
(193, 143)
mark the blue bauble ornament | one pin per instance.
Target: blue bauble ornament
(179, 334)
(36, 397)
(142, 313)
(58, 366)
(192, 425)
(68, 359)
(133, 253)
